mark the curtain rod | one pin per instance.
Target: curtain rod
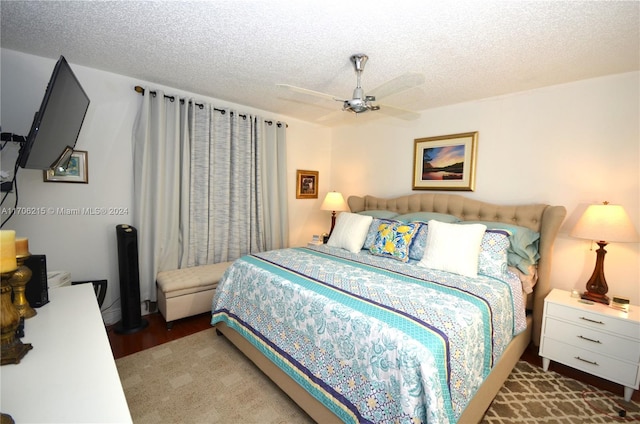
(140, 90)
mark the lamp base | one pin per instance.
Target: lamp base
(13, 350)
(595, 297)
(597, 285)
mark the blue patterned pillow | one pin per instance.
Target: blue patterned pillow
(492, 260)
(393, 240)
(523, 244)
(419, 242)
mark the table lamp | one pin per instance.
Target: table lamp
(334, 202)
(603, 224)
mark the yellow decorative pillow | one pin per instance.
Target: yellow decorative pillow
(393, 240)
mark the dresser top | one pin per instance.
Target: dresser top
(563, 297)
(70, 374)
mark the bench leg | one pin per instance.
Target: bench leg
(169, 325)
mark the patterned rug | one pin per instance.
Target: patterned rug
(532, 396)
(202, 378)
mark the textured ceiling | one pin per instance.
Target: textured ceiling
(239, 50)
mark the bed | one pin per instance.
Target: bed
(380, 325)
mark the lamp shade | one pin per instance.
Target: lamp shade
(605, 222)
(334, 202)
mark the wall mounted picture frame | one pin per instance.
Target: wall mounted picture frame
(77, 171)
(306, 184)
(446, 162)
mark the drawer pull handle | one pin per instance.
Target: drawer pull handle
(589, 340)
(584, 360)
(592, 320)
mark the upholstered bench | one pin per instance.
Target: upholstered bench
(188, 291)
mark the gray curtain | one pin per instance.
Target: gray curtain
(160, 135)
(209, 186)
(274, 177)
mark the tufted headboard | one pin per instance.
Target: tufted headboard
(544, 219)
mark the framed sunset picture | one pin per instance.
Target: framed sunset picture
(445, 162)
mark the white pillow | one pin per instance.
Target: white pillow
(453, 247)
(350, 231)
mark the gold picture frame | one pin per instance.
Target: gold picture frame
(446, 162)
(306, 184)
(76, 172)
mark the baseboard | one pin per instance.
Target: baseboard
(111, 315)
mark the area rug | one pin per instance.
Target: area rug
(203, 378)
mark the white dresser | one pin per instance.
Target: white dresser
(593, 338)
(70, 375)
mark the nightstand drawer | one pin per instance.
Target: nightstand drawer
(595, 321)
(596, 341)
(614, 370)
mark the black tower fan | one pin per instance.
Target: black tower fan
(132, 320)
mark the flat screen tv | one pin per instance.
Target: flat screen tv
(57, 123)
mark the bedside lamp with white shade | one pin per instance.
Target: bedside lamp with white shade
(334, 202)
(603, 224)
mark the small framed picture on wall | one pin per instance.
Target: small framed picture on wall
(77, 170)
(306, 184)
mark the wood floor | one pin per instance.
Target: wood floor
(156, 333)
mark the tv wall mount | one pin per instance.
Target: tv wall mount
(5, 137)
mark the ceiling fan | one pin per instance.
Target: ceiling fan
(361, 102)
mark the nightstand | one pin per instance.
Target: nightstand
(593, 338)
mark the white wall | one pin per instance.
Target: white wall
(86, 245)
(308, 148)
(571, 145)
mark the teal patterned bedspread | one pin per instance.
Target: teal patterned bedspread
(374, 339)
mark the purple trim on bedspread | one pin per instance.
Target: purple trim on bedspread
(297, 365)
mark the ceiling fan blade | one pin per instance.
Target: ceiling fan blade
(287, 87)
(333, 117)
(321, 106)
(399, 113)
(397, 85)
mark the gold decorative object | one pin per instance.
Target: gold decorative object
(6, 419)
(13, 350)
(18, 282)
